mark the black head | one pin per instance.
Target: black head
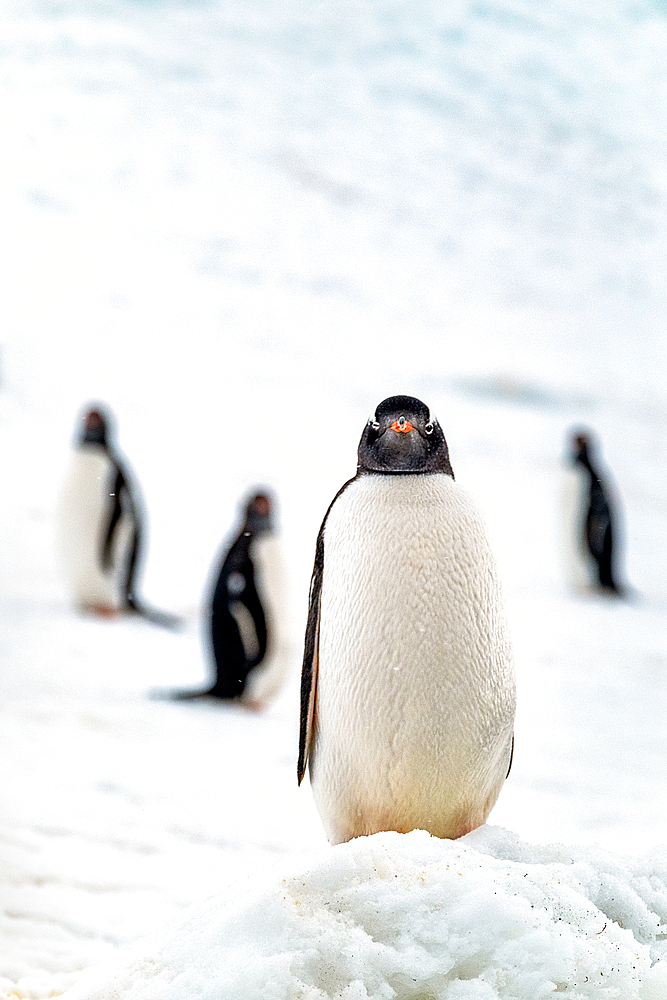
(258, 514)
(95, 427)
(582, 446)
(403, 438)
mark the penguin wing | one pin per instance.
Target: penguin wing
(117, 483)
(509, 766)
(122, 503)
(311, 657)
(236, 595)
(236, 579)
(312, 648)
(598, 522)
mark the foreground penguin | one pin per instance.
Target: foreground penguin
(591, 529)
(248, 614)
(408, 694)
(99, 527)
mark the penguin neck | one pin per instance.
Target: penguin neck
(584, 461)
(249, 536)
(400, 472)
(94, 447)
(257, 524)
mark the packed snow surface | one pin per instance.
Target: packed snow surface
(241, 225)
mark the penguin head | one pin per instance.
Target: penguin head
(582, 446)
(258, 514)
(95, 427)
(402, 437)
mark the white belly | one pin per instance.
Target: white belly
(268, 677)
(575, 497)
(82, 519)
(415, 698)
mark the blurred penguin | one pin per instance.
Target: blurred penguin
(99, 526)
(591, 519)
(248, 623)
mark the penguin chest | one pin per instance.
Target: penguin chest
(415, 697)
(575, 503)
(267, 678)
(271, 584)
(83, 517)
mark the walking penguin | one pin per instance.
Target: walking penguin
(408, 691)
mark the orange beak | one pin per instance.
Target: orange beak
(407, 426)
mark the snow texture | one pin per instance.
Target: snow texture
(408, 916)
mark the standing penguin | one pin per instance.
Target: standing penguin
(99, 528)
(98, 523)
(591, 528)
(248, 614)
(408, 692)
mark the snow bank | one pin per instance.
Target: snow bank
(410, 916)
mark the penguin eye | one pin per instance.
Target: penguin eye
(428, 429)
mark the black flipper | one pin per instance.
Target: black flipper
(311, 648)
(509, 766)
(599, 534)
(236, 586)
(122, 500)
(311, 658)
(124, 505)
(599, 531)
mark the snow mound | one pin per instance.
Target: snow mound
(410, 916)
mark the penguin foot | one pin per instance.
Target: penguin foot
(101, 610)
(254, 706)
(613, 591)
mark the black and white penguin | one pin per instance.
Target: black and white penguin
(99, 527)
(408, 691)
(248, 616)
(591, 522)
(248, 612)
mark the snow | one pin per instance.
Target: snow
(242, 226)
(412, 916)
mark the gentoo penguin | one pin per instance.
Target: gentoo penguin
(99, 527)
(408, 693)
(248, 622)
(591, 522)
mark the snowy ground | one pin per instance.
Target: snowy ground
(410, 916)
(242, 229)
(120, 810)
